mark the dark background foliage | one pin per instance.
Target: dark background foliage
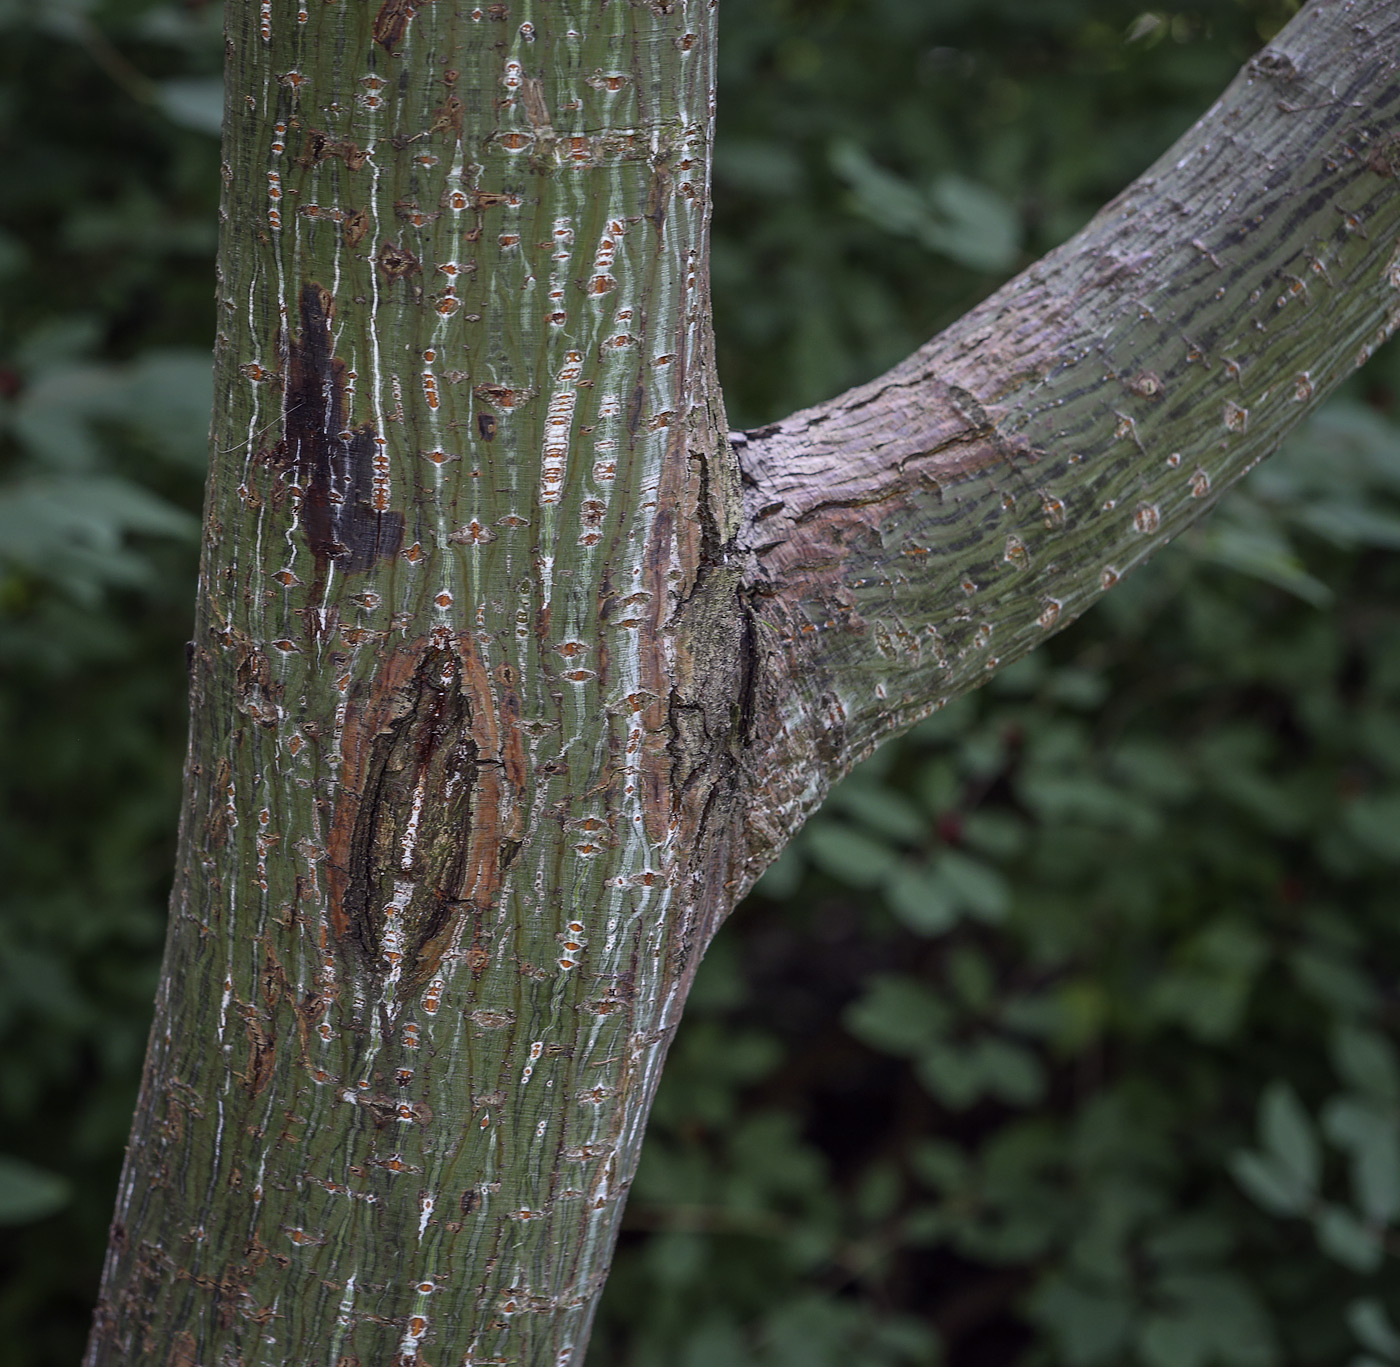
(1065, 1035)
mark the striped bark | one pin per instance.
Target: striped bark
(512, 671)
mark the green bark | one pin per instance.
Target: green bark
(433, 920)
(502, 693)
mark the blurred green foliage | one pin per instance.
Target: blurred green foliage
(1065, 1036)
(107, 229)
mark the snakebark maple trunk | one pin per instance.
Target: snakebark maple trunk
(512, 671)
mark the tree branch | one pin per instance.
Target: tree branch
(917, 533)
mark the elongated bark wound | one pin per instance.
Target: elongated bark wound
(425, 819)
(407, 859)
(343, 496)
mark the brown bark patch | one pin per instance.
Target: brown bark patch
(428, 802)
(182, 1350)
(321, 146)
(397, 261)
(256, 692)
(447, 117)
(391, 23)
(261, 1052)
(1385, 157)
(355, 227)
(344, 508)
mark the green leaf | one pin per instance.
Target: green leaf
(74, 529)
(1191, 1239)
(1343, 1237)
(1374, 1143)
(1224, 1314)
(921, 901)
(848, 855)
(976, 886)
(1091, 1328)
(896, 1015)
(29, 1193)
(1353, 1123)
(1376, 1179)
(998, 834)
(909, 1339)
(958, 218)
(971, 976)
(1258, 550)
(972, 224)
(715, 1342)
(1348, 525)
(676, 1258)
(881, 810)
(940, 1163)
(951, 1074)
(1269, 1183)
(758, 165)
(1368, 1062)
(1372, 1327)
(1011, 1072)
(1375, 822)
(1334, 980)
(1170, 1341)
(1287, 1133)
(1082, 690)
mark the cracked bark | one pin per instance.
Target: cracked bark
(512, 671)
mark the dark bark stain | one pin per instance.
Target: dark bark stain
(342, 512)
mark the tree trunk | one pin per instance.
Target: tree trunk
(511, 672)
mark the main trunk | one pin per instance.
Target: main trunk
(453, 834)
(502, 692)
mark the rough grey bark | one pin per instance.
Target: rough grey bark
(511, 673)
(914, 535)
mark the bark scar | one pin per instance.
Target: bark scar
(391, 23)
(425, 813)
